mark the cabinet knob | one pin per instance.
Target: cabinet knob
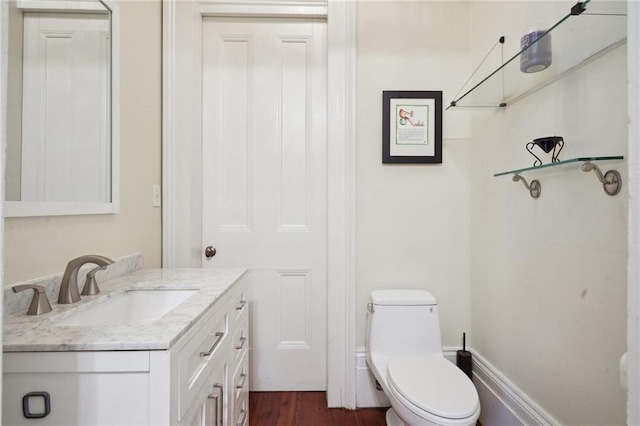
(210, 251)
(26, 408)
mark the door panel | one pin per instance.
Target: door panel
(264, 199)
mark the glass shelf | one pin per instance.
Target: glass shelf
(560, 163)
(611, 180)
(589, 30)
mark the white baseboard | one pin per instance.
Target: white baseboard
(366, 393)
(502, 403)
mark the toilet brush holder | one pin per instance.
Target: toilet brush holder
(463, 358)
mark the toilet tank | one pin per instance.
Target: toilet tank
(403, 323)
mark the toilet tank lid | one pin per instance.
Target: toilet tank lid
(402, 298)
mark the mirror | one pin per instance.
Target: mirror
(60, 145)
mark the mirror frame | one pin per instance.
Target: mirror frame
(47, 208)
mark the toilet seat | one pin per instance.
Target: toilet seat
(432, 384)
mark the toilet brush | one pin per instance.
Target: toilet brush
(463, 357)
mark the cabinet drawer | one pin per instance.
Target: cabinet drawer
(78, 398)
(240, 383)
(241, 417)
(240, 339)
(239, 298)
(200, 355)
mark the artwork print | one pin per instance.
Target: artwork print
(412, 127)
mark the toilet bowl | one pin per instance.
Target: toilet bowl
(404, 352)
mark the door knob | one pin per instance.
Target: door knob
(210, 251)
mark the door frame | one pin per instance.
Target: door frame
(633, 267)
(181, 145)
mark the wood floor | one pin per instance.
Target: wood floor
(306, 409)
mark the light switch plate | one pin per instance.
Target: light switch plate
(157, 196)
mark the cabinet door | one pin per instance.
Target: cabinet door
(208, 405)
(85, 388)
(203, 411)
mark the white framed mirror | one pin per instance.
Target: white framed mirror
(62, 108)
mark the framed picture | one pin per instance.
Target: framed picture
(411, 127)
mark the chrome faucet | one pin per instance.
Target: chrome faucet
(69, 292)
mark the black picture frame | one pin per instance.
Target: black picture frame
(412, 135)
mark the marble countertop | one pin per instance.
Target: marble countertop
(28, 333)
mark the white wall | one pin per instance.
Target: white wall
(549, 275)
(42, 246)
(13, 163)
(413, 222)
(3, 138)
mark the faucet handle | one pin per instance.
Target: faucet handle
(39, 303)
(91, 285)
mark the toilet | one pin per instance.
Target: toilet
(404, 352)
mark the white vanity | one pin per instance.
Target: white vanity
(187, 367)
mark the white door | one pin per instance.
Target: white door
(66, 112)
(264, 180)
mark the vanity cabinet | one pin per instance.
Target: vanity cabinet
(218, 395)
(202, 379)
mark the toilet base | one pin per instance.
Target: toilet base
(393, 419)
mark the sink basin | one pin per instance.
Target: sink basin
(130, 308)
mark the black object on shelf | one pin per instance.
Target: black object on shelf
(463, 358)
(553, 144)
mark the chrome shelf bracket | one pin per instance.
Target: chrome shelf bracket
(534, 188)
(611, 181)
